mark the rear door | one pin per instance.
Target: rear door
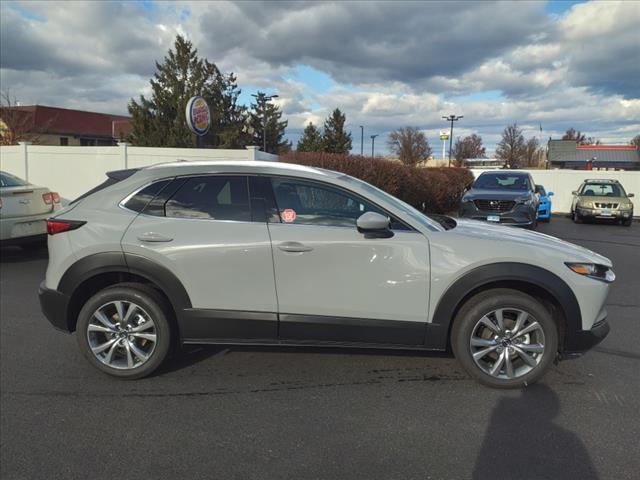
(333, 283)
(203, 230)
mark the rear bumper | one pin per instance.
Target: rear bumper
(17, 229)
(583, 340)
(54, 306)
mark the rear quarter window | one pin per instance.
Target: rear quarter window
(140, 200)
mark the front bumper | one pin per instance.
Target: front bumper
(617, 214)
(544, 211)
(54, 306)
(520, 215)
(579, 342)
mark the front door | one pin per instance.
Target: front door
(333, 284)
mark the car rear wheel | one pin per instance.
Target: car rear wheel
(504, 338)
(124, 330)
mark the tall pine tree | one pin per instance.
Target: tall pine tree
(335, 138)
(268, 129)
(159, 121)
(311, 140)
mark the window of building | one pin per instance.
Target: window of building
(64, 141)
(88, 142)
(211, 197)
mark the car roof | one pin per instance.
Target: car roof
(257, 166)
(505, 171)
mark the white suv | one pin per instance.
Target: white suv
(275, 254)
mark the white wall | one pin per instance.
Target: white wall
(71, 171)
(563, 182)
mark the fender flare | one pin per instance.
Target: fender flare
(437, 332)
(128, 263)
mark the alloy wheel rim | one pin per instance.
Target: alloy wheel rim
(507, 343)
(122, 335)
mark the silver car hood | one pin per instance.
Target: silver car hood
(528, 238)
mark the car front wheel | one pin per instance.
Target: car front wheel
(124, 330)
(504, 338)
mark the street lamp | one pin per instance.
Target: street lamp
(373, 143)
(452, 118)
(361, 141)
(265, 99)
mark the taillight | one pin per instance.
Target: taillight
(58, 226)
(47, 198)
(55, 196)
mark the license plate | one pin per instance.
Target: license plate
(493, 218)
(606, 212)
(27, 229)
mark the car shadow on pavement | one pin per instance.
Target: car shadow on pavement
(522, 441)
(13, 254)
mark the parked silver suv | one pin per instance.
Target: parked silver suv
(274, 254)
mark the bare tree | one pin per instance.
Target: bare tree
(468, 147)
(532, 153)
(635, 141)
(511, 147)
(410, 145)
(15, 123)
(579, 137)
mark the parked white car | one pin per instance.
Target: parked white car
(276, 254)
(24, 209)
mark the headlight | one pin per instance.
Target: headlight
(585, 204)
(526, 201)
(592, 270)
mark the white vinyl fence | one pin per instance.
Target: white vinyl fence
(563, 182)
(71, 171)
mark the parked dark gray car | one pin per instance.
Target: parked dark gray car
(506, 197)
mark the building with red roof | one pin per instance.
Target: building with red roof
(62, 126)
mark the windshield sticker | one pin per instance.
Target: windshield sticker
(288, 215)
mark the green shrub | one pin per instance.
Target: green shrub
(431, 190)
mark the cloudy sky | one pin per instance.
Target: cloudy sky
(386, 65)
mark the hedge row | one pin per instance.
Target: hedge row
(431, 190)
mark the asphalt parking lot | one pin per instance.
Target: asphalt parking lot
(278, 413)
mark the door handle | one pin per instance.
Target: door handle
(294, 247)
(153, 237)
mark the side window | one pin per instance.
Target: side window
(214, 197)
(304, 202)
(140, 200)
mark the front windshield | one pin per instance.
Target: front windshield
(383, 196)
(502, 181)
(603, 190)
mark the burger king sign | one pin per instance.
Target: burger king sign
(198, 115)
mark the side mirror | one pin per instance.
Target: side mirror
(374, 225)
(575, 192)
(630, 195)
(549, 194)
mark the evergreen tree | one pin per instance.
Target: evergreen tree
(335, 138)
(311, 140)
(265, 122)
(159, 121)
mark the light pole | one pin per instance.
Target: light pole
(373, 143)
(452, 118)
(361, 141)
(265, 99)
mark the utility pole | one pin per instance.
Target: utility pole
(265, 99)
(452, 118)
(373, 143)
(361, 141)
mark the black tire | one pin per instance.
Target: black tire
(576, 217)
(152, 302)
(534, 223)
(627, 222)
(483, 304)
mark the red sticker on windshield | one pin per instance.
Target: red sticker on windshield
(288, 215)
